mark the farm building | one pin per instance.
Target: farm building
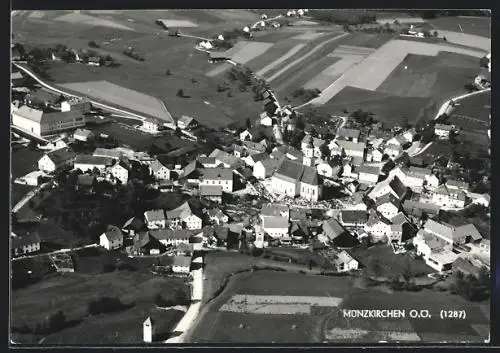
(345, 262)
(401, 228)
(211, 192)
(215, 215)
(292, 179)
(120, 171)
(378, 227)
(132, 226)
(367, 174)
(256, 157)
(83, 135)
(88, 162)
(353, 218)
(56, 159)
(390, 185)
(265, 168)
(111, 239)
(374, 155)
(145, 244)
(172, 237)
(276, 226)
(228, 160)
(465, 267)
(184, 215)
(80, 105)
(442, 130)
(217, 176)
(447, 197)
(207, 162)
(457, 185)
(152, 125)
(159, 171)
(352, 149)
(186, 123)
(253, 147)
(155, 219)
(181, 264)
(107, 153)
(39, 123)
(25, 244)
(274, 210)
(349, 134)
(33, 178)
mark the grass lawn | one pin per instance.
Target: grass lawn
(18, 191)
(480, 26)
(391, 264)
(477, 106)
(301, 256)
(125, 134)
(24, 160)
(72, 292)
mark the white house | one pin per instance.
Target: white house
(57, 159)
(483, 200)
(246, 135)
(186, 123)
(87, 162)
(265, 168)
(184, 215)
(352, 149)
(120, 172)
(25, 244)
(328, 169)
(148, 330)
(155, 219)
(378, 227)
(442, 131)
(391, 185)
(83, 135)
(81, 105)
(345, 262)
(111, 239)
(410, 134)
(265, 120)
(374, 155)
(367, 174)
(40, 123)
(311, 146)
(388, 206)
(277, 227)
(181, 264)
(393, 150)
(431, 181)
(159, 171)
(446, 197)
(170, 237)
(457, 185)
(152, 125)
(217, 176)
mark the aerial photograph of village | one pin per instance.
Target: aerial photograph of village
(250, 176)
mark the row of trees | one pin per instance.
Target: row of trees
(248, 79)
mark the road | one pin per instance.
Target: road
(28, 197)
(442, 110)
(61, 251)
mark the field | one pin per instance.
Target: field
(373, 71)
(479, 26)
(79, 18)
(23, 161)
(71, 293)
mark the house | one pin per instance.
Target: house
(328, 169)
(111, 239)
(344, 262)
(392, 185)
(186, 123)
(379, 228)
(349, 134)
(181, 264)
(88, 162)
(256, 157)
(435, 243)
(457, 185)
(367, 174)
(217, 176)
(393, 150)
(207, 162)
(352, 149)
(467, 233)
(274, 210)
(409, 135)
(83, 135)
(24, 244)
(246, 135)
(387, 205)
(55, 160)
(226, 159)
(155, 219)
(94, 61)
(442, 130)
(413, 177)
(239, 151)
(401, 228)
(215, 215)
(133, 226)
(265, 168)
(292, 179)
(145, 244)
(159, 171)
(211, 192)
(417, 209)
(288, 152)
(353, 218)
(169, 237)
(165, 185)
(39, 123)
(152, 125)
(107, 153)
(265, 120)
(34, 178)
(374, 155)
(184, 217)
(253, 147)
(311, 146)
(276, 226)
(398, 141)
(333, 232)
(483, 200)
(446, 197)
(466, 267)
(74, 104)
(120, 171)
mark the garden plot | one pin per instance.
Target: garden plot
(309, 36)
(281, 59)
(178, 23)
(372, 72)
(80, 18)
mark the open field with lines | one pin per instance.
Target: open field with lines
(479, 26)
(372, 71)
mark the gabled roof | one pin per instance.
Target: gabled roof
(88, 159)
(291, 171)
(113, 233)
(333, 228)
(134, 223)
(343, 258)
(348, 133)
(411, 206)
(457, 184)
(468, 230)
(452, 193)
(181, 261)
(186, 120)
(210, 190)
(182, 211)
(387, 198)
(105, 152)
(255, 146)
(368, 170)
(351, 146)
(273, 210)
(310, 176)
(438, 228)
(375, 219)
(170, 234)
(61, 155)
(24, 240)
(83, 132)
(259, 156)
(269, 163)
(417, 172)
(275, 222)
(465, 266)
(317, 142)
(442, 127)
(154, 215)
(156, 166)
(397, 185)
(225, 157)
(206, 160)
(191, 167)
(46, 118)
(353, 216)
(400, 218)
(216, 174)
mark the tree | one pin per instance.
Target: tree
(168, 73)
(248, 123)
(435, 34)
(57, 321)
(325, 150)
(427, 33)
(469, 87)
(444, 38)
(483, 62)
(93, 44)
(180, 93)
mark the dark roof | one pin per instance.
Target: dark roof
(61, 155)
(333, 228)
(88, 159)
(353, 216)
(259, 156)
(292, 171)
(349, 133)
(216, 174)
(387, 198)
(466, 267)
(134, 222)
(191, 167)
(412, 207)
(113, 233)
(398, 187)
(183, 261)
(206, 160)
